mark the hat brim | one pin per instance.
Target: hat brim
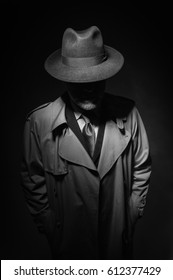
(102, 71)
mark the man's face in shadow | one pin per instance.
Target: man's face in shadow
(86, 96)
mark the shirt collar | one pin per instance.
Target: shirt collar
(78, 115)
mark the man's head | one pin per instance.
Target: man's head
(86, 96)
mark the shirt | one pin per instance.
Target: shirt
(81, 122)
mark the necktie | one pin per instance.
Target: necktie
(89, 135)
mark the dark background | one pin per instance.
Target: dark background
(142, 33)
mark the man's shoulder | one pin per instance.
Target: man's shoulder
(37, 109)
(45, 110)
(119, 106)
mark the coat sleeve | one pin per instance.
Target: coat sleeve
(141, 167)
(33, 180)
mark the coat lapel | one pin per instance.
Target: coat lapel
(71, 149)
(114, 143)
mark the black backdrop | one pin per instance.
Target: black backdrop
(143, 35)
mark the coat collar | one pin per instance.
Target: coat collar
(71, 149)
(58, 113)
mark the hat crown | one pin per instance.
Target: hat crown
(80, 44)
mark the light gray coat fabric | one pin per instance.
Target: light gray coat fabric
(86, 211)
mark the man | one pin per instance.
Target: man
(86, 163)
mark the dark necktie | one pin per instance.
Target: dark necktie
(89, 135)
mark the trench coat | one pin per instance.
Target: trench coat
(86, 211)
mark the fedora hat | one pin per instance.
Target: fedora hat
(83, 57)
